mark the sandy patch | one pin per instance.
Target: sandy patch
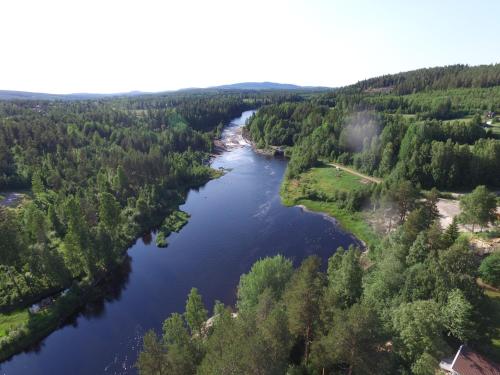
(448, 209)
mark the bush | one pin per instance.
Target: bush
(490, 269)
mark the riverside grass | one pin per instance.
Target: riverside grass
(328, 180)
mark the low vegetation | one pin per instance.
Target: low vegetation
(12, 320)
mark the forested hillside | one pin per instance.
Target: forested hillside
(439, 78)
(437, 138)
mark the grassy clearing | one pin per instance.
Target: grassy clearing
(12, 320)
(465, 119)
(488, 234)
(408, 116)
(325, 179)
(353, 222)
(328, 181)
(20, 329)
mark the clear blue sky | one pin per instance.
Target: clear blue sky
(114, 46)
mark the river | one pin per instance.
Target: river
(235, 220)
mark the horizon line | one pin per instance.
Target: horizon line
(138, 91)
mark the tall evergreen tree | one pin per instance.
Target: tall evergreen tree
(303, 296)
(196, 314)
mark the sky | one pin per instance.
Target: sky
(108, 46)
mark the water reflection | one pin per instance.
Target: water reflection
(147, 238)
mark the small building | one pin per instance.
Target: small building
(469, 362)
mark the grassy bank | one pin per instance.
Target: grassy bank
(12, 320)
(314, 188)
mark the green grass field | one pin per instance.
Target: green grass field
(12, 320)
(328, 180)
(325, 179)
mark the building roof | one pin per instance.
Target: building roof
(468, 362)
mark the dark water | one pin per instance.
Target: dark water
(235, 220)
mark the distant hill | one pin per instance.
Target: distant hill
(13, 95)
(254, 86)
(26, 95)
(257, 86)
(266, 86)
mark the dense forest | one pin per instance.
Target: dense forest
(427, 144)
(100, 174)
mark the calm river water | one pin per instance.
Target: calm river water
(235, 220)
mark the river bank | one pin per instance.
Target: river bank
(292, 194)
(315, 190)
(269, 151)
(39, 325)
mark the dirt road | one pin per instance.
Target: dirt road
(352, 171)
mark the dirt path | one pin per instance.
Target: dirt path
(352, 171)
